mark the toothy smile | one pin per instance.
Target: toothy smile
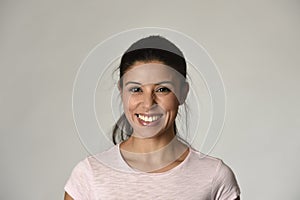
(148, 118)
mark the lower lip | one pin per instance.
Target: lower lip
(149, 124)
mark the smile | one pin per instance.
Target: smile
(148, 118)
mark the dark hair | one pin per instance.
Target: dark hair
(152, 48)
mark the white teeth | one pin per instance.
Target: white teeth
(148, 118)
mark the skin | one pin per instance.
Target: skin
(151, 95)
(67, 197)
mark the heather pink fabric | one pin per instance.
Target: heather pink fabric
(196, 178)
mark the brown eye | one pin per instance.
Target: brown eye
(135, 90)
(163, 90)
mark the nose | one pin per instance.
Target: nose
(148, 100)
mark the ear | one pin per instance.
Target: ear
(184, 92)
(119, 86)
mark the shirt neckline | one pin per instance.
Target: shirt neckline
(172, 170)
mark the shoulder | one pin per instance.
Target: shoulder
(83, 176)
(85, 169)
(225, 185)
(105, 162)
(79, 182)
(204, 163)
(222, 179)
(81, 168)
(216, 165)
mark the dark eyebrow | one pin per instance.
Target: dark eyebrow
(159, 83)
(132, 82)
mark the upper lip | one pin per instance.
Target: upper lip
(147, 114)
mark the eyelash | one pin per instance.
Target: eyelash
(163, 90)
(135, 89)
(159, 90)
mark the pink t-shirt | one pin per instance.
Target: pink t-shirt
(198, 177)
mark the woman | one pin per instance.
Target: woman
(149, 159)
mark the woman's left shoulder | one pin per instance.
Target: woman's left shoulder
(211, 165)
(204, 160)
(224, 182)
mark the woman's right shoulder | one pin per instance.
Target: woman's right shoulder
(83, 175)
(107, 158)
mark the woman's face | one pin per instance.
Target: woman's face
(151, 94)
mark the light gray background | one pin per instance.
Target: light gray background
(254, 43)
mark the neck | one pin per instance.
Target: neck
(152, 154)
(147, 145)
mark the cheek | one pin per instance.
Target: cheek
(169, 104)
(129, 101)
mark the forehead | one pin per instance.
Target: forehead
(149, 73)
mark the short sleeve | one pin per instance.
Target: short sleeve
(78, 185)
(225, 186)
